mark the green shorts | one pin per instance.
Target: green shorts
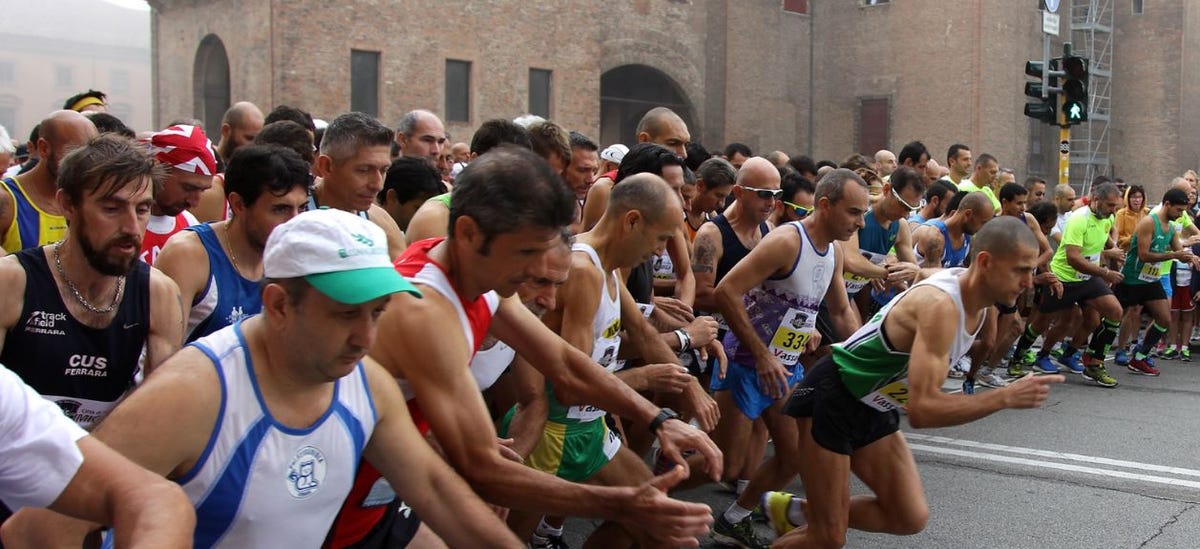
(571, 451)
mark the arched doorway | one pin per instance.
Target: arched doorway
(628, 91)
(210, 84)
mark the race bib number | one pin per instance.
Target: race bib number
(1093, 259)
(792, 335)
(854, 283)
(585, 413)
(1151, 272)
(889, 397)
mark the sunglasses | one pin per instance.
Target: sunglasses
(911, 208)
(801, 211)
(765, 194)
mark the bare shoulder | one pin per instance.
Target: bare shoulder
(161, 285)
(12, 279)
(182, 246)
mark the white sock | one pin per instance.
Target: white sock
(795, 514)
(735, 514)
(545, 530)
(741, 485)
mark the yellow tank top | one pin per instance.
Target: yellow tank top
(31, 226)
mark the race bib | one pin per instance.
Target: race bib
(1151, 272)
(585, 413)
(889, 397)
(646, 309)
(793, 333)
(1183, 274)
(1093, 259)
(854, 283)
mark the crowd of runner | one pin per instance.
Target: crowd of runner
(344, 334)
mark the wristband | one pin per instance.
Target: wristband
(663, 415)
(685, 340)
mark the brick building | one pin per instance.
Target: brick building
(826, 78)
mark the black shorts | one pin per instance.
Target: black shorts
(840, 422)
(395, 530)
(1075, 293)
(1138, 294)
(824, 326)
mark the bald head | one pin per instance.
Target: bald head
(662, 126)
(977, 202)
(1002, 236)
(1181, 184)
(239, 127)
(421, 134)
(243, 113)
(758, 172)
(60, 133)
(885, 162)
(645, 192)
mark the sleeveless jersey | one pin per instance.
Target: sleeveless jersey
(783, 309)
(606, 334)
(159, 230)
(951, 257)
(31, 226)
(874, 242)
(84, 370)
(260, 483)
(443, 198)
(732, 248)
(877, 374)
(488, 364)
(1138, 272)
(227, 297)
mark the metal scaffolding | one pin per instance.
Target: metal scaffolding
(1092, 37)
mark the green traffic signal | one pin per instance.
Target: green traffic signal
(1075, 111)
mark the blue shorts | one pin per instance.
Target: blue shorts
(1166, 284)
(743, 381)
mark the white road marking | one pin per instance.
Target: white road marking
(1048, 454)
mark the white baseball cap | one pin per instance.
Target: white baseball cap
(340, 254)
(614, 153)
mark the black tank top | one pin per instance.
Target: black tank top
(84, 370)
(732, 248)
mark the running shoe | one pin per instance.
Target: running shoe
(736, 535)
(550, 541)
(1029, 357)
(1142, 367)
(1016, 368)
(991, 379)
(1072, 362)
(1122, 357)
(1185, 354)
(775, 506)
(1099, 374)
(1170, 354)
(1043, 365)
(1056, 352)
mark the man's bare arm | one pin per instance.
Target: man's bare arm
(842, 314)
(681, 260)
(596, 203)
(431, 220)
(706, 252)
(858, 265)
(422, 479)
(185, 261)
(395, 237)
(12, 299)
(167, 320)
(529, 419)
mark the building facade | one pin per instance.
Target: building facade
(824, 78)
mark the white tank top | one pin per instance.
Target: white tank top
(783, 310)
(261, 484)
(488, 364)
(606, 325)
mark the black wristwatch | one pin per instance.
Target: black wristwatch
(663, 415)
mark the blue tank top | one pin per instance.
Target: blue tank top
(952, 257)
(874, 238)
(227, 296)
(84, 370)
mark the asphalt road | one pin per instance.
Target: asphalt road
(1094, 468)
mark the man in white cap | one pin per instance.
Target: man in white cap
(610, 158)
(265, 421)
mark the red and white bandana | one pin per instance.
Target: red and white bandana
(186, 148)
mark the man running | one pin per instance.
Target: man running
(1153, 242)
(263, 422)
(846, 407)
(509, 208)
(218, 266)
(770, 300)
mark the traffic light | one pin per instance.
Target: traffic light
(1044, 90)
(1075, 89)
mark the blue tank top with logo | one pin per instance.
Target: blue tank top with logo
(227, 296)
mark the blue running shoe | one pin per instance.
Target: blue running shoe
(1043, 365)
(1122, 357)
(1072, 362)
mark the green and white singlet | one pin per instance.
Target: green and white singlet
(876, 373)
(1135, 270)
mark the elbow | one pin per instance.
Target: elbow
(919, 417)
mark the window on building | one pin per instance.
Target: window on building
(364, 82)
(873, 125)
(1137, 7)
(539, 92)
(62, 76)
(458, 91)
(795, 6)
(119, 81)
(8, 72)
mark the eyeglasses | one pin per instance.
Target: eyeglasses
(765, 194)
(910, 207)
(801, 211)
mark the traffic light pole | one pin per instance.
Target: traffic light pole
(1064, 149)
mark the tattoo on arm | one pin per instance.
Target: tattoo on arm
(705, 256)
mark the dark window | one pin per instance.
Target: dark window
(873, 120)
(539, 92)
(1137, 7)
(210, 80)
(795, 6)
(364, 82)
(458, 91)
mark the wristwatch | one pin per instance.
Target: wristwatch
(663, 415)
